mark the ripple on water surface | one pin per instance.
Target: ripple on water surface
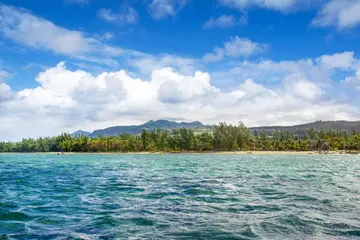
(179, 197)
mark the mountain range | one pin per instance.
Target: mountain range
(137, 129)
(198, 126)
(317, 126)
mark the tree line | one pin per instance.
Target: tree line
(225, 137)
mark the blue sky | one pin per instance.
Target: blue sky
(70, 64)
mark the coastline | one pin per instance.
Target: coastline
(209, 153)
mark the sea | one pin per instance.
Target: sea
(179, 196)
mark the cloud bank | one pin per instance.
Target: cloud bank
(66, 100)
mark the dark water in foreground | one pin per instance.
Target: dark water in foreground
(179, 197)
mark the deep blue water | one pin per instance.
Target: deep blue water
(179, 197)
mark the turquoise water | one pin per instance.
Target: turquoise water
(179, 197)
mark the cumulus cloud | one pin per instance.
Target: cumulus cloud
(224, 21)
(343, 60)
(159, 9)
(67, 100)
(353, 81)
(236, 47)
(175, 88)
(340, 13)
(127, 15)
(215, 56)
(302, 88)
(5, 92)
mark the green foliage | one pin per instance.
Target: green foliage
(225, 137)
(229, 137)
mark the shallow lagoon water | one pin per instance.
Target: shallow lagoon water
(170, 196)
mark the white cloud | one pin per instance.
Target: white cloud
(67, 100)
(353, 81)
(236, 47)
(5, 92)
(218, 55)
(302, 87)
(164, 8)
(341, 13)
(280, 5)
(224, 21)
(127, 15)
(25, 28)
(242, 47)
(320, 70)
(343, 60)
(175, 88)
(35, 32)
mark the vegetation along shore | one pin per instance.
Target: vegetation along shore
(225, 138)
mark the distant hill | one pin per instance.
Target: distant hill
(317, 126)
(150, 125)
(199, 127)
(80, 133)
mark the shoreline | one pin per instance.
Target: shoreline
(209, 153)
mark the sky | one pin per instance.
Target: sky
(89, 64)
